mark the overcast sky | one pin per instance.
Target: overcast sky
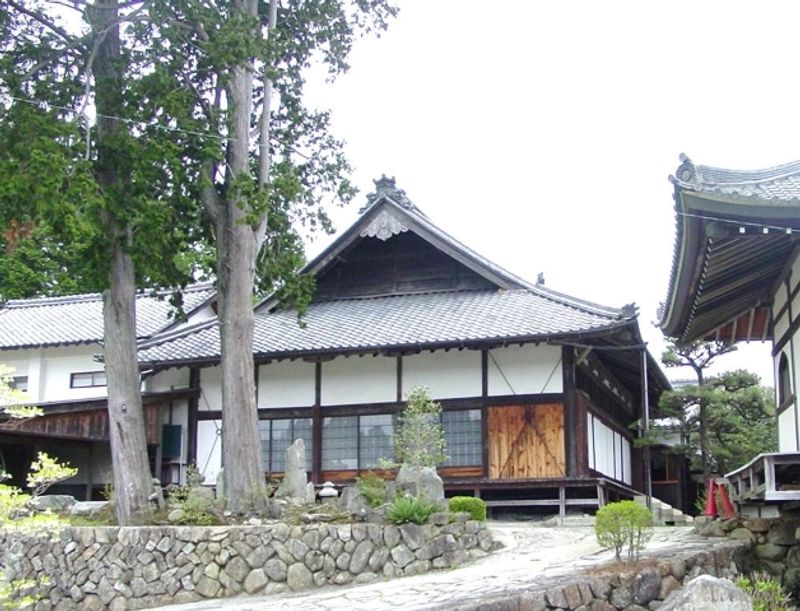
(541, 134)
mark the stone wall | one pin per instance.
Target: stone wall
(647, 584)
(774, 543)
(136, 568)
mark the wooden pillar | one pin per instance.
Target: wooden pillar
(191, 426)
(485, 410)
(89, 461)
(316, 426)
(570, 411)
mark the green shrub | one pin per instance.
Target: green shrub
(475, 507)
(373, 487)
(766, 592)
(419, 440)
(410, 509)
(12, 503)
(621, 524)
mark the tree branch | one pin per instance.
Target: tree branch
(42, 20)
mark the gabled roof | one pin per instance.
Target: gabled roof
(736, 231)
(513, 311)
(78, 319)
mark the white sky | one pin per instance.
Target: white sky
(541, 134)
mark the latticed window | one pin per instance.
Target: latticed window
(784, 380)
(277, 435)
(462, 434)
(356, 442)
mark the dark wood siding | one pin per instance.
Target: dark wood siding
(405, 263)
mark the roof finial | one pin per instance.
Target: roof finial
(387, 187)
(540, 279)
(686, 172)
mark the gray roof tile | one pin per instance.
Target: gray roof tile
(415, 320)
(78, 319)
(779, 184)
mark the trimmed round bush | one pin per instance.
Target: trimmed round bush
(475, 507)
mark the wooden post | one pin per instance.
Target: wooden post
(191, 426)
(562, 504)
(570, 411)
(89, 461)
(316, 426)
(485, 410)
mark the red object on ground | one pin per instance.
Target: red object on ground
(728, 510)
(711, 501)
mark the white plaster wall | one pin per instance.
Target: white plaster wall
(286, 384)
(448, 375)
(210, 389)
(778, 300)
(369, 379)
(209, 449)
(25, 363)
(787, 440)
(527, 369)
(57, 366)
(781, 326)
(168, 380)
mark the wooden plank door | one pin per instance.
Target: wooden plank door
(526, 441)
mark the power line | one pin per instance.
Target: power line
(762, 226)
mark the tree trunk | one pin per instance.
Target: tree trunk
(132, 479)
(126, 426)
(703, 428)
(237, 251)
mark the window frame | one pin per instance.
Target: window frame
(93, 375)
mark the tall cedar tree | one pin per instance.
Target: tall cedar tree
(217, 90)
(90, 207)
(268, 167)
(726, 419)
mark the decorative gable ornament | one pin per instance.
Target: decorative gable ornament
(383, 226)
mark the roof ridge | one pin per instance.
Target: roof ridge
(696, 175)
(87, 297)
(161, 338)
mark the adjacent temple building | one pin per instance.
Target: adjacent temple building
(539, 389)
(736, 277)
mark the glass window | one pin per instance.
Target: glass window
(463, 436)
(20, 383)
(88, 379)
(277, 435)
(340, 443)
(376, 439)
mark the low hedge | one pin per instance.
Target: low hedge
(475, 507)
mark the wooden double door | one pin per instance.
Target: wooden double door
(526, 441)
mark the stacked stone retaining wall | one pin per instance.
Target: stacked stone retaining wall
(645, 585)
(774, 543)
(139, 567)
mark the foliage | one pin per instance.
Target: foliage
(12, 503)
(766, 592)
(419, 440)
(373, 487)
(406, 509)
(197, 509)
(11, 398)
(473, 505)
(20, 593)
(621, 524)
(46, 471)
(719, 423)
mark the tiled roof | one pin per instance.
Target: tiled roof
(78, 319)
(401, 321)
(779, 184)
